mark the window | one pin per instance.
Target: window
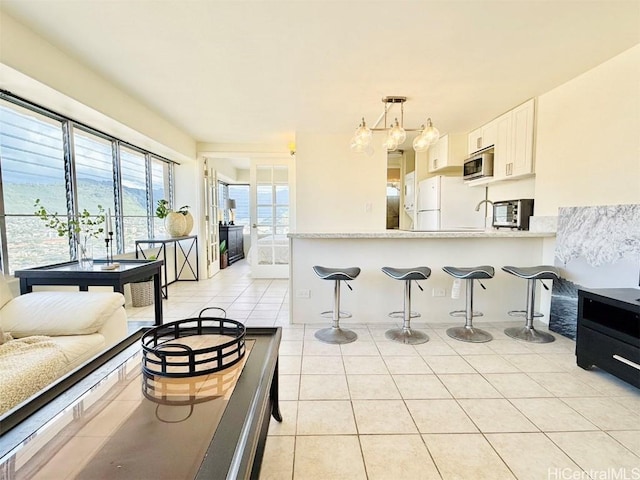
(240, 193)
(94, 171)
(91, 169)
(133, 168)
(32, 156)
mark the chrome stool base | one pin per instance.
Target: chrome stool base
(336, 335)
(406, 336)
(469, 334)
(529, 335)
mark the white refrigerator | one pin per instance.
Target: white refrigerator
(446, 203)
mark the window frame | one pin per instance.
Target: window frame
(68, 126)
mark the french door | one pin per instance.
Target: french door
(270, 217)
(212, 234)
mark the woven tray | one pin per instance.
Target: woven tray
(193, 346)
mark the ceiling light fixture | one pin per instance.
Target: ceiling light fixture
(396, 133)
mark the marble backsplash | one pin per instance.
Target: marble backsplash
(596, 247)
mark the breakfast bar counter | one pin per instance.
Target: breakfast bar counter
(391, 234)
(374, 295)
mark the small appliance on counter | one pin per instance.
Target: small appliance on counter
(512, 213)
(478, 166)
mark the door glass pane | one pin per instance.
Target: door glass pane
(264, 194)
(265, 216)
(134, 197)
(282, 216)
(31, 152)
(264, 175)
(282, 194)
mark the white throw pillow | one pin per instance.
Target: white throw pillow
(59, 313)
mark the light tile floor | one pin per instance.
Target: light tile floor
(445, 409)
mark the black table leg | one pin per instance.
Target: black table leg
(157, 297)
(275, 404)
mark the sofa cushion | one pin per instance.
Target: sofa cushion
(59, 313)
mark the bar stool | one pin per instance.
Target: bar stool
(469, 333)
(405, 334)
(528, 333)
(335, 334)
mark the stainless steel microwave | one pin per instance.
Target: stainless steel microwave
(478, 166)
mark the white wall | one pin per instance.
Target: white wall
(338, 190)
(588, 139)
(66, 86)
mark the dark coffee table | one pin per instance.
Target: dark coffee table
(114, 429)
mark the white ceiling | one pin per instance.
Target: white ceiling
(257, 72)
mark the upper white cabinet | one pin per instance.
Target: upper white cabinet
(481, 138)
(513, 152)
(513, 143)
(448, 151)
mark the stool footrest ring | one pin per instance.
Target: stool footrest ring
(400, 314)
(329, 314)
(463, 313)
(523, 313)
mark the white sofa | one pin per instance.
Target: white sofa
(43, 335)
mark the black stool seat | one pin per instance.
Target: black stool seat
(542, 272)
(484, 271)
(415, 273)
(327, 273)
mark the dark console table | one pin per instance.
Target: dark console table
(187, 245)
(608, 333)
(70, 273)
(234, 236)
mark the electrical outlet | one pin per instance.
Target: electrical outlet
(303, 293)
(439, 292)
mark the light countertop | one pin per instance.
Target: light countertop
(404, 234)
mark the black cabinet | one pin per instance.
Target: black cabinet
(608, 333)
(235, 241)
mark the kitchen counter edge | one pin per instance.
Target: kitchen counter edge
(431, 234)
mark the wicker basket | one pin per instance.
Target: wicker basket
(142, 293)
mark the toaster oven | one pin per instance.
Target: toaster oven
(512, 213)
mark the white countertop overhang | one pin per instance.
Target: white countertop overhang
(391, 234)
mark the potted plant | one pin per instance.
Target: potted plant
(177, 223)
(224, 255)
(80, 229)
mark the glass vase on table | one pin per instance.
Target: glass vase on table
(84, 252)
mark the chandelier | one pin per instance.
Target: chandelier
(396, 133)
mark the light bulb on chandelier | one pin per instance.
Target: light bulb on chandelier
(396, 133)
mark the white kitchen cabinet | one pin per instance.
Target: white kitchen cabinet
(513, 152)
(482, 137)
(448, 151)
(522, 127)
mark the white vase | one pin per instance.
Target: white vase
(175, 224)
(189, 221)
